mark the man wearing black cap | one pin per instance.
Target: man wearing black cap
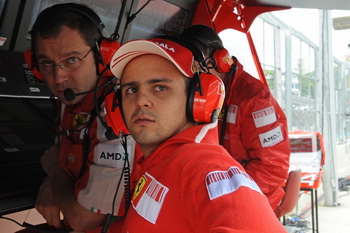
(252, 126)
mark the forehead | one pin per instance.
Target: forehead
(149, 66)
(66, 39)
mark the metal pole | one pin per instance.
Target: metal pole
(330, 181)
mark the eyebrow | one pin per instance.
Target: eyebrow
(75, 53)
(152, 81)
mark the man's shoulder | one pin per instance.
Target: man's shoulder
(203, 152)
(247, 87)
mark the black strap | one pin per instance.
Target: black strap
(86, 138)
(86, 144)
(228, 80)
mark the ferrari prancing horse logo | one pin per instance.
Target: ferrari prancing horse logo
(139, 186)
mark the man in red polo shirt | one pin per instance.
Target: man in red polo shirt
(186, 181)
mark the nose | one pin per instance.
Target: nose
(143, 99)
(60, 75)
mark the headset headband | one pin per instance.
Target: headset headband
(80, 9)
(216, 44)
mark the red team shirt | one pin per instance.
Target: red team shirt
(191, 184)
(256, 133)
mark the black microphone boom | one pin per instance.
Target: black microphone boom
(70, 95)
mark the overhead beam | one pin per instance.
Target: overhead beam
(341, 23)
(315, 4)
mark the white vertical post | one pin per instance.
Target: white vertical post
(330, 180)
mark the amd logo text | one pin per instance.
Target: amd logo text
(112, 156)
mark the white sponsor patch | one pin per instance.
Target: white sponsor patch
(272, 137)
(264, 117)
(149, 196)
(112, 155)
(220, 183)
(232, 114)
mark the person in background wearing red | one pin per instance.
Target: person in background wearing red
(252, 126)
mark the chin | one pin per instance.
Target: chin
(143, 137)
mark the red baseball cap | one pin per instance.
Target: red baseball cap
(180, 56)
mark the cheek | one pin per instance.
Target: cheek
(127, 115)
(86, 78)
(49, 81)
(175, 109)
(126, 111)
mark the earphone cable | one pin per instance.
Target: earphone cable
(126, 169)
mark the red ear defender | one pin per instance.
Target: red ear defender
(205, 98)
(107, 48)
(28, 58)
(114, 117)
(223, 60)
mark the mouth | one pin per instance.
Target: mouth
(60, 90)
(143, 120)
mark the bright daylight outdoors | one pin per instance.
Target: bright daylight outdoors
(311, 82)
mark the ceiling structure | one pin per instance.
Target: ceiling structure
(240, 14)
(253, 8)
(338, 23)
(341, 23)
(316, 4)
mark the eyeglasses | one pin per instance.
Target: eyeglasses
(69, 64)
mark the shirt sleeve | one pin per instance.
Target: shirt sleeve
(265, 136)
(223, 198)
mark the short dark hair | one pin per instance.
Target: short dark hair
(204, 37)
(76, 16)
